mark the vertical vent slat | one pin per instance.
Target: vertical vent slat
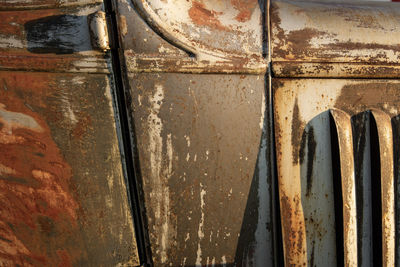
(344, 133)
(337, 192)
(363, 164)
(385, 136)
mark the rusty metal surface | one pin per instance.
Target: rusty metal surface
(62, 192)
(204, 164)
(203, 141)
(342, 39)
(41, 4)
(197, 36)
(56, 40)
(298, 105)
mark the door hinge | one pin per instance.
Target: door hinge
(99, 31)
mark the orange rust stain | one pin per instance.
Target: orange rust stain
(37, 61)
(245, 8)
(36, 204)
(12, 22)
(65, 259)
(82, 125)
(202, 16)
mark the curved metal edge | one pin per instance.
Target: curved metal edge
(180, 40)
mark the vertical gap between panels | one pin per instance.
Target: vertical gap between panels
(128, 140)
(277, 226)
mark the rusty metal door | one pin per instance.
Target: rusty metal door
(63, 197)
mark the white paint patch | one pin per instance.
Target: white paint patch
(78, 80)
(200, 232)
(187, 140)
(11, 42)
(223, 260)
(262, 112)
(68, 111)
(15, 120)
(160, 172)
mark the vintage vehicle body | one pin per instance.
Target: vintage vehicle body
(199, 133)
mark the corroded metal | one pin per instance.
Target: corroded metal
(63, 194)
(198, 154)
(297, 104)
(202, 139)
(206, 37)
(327, 39)
(55, 40)
(42, 4)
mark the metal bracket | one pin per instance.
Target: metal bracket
(99, 31)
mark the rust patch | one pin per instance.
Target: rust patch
(245, 8)
(35, 199)
(365, 96)
(293, 230)
(82, 126)
(202, 16)
(12, 22)
(299, 43)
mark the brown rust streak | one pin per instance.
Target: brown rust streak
(293, 230)
(245, 8)
(24, 60)
(297, 124)
(296, 45)
(365, 96)
(12, 22)
(38, 211)
(202, 16)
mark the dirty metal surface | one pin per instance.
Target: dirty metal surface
(363, 116)
(327, 39)
(202, 139)
(193, 36)
(63, 199)
(203, 151)
(55, 40)
(41, 4)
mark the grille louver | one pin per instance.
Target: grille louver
(337, 142)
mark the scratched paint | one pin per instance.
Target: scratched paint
(217, 176)
(334, 39)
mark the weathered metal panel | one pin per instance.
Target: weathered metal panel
(40, 4)
(207, 196)
(63, 198)
(298, 105)
(203, 143)
(342, 39)
(50, 40)
(206, 37)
